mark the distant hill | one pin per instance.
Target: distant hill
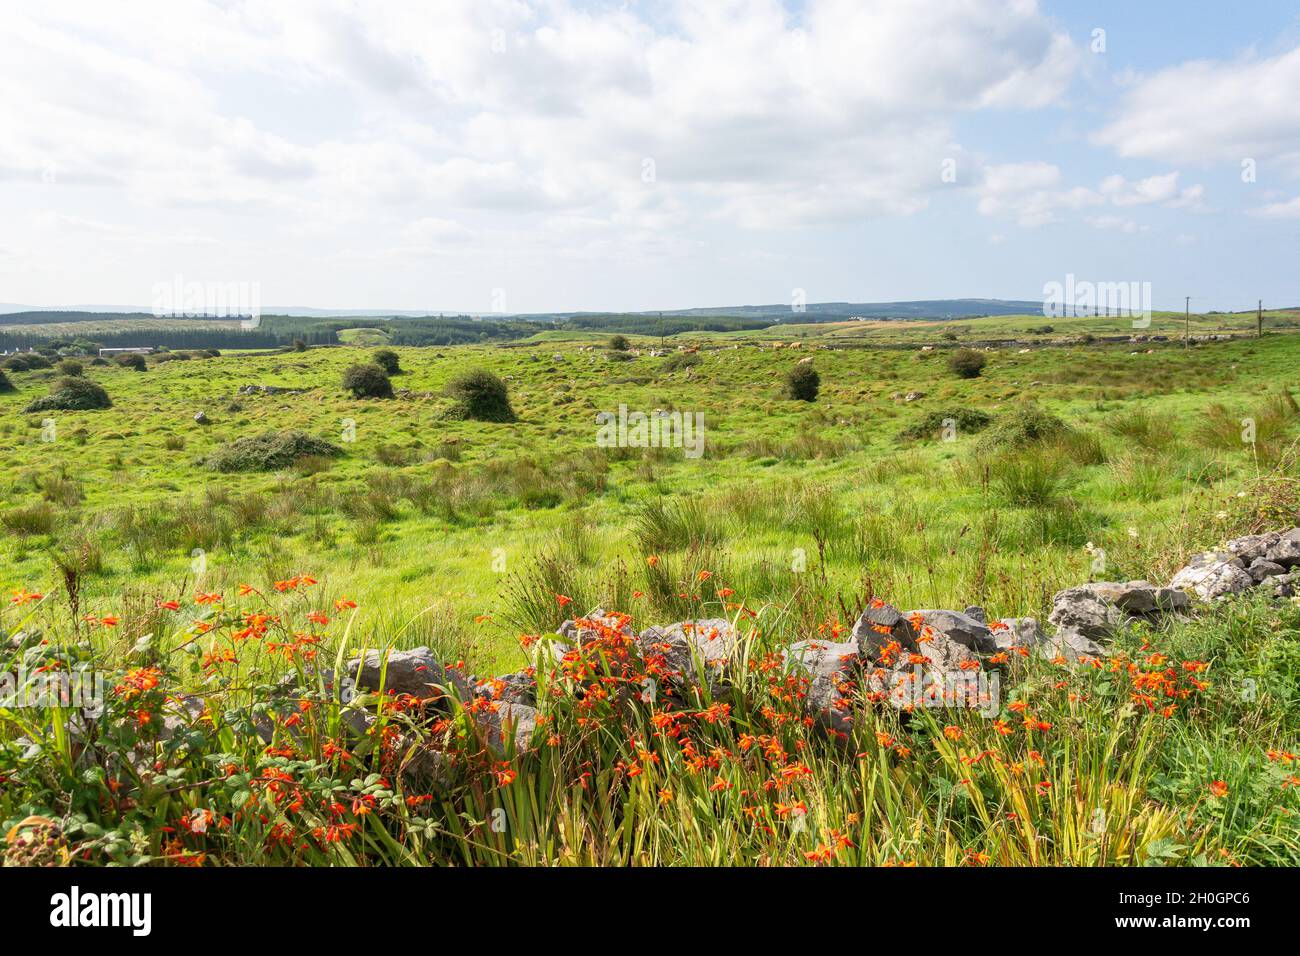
(822, 311)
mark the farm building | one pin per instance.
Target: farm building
(141, 350)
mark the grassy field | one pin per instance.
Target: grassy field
(459, 535)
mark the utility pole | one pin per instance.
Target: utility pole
(1187, 323)
(1259, 320)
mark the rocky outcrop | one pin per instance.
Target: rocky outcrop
(879, 626)
(1212, 575)
(415, 672)
(689, 650)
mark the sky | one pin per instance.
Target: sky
(521, 156)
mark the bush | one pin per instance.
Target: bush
(967, 363)
(70, 367)
(299, 345)
(5, 384)
(802, 383)
(367, 381)
(387, 360)
(618, 343)
(269, 451)
(27, 362)
(135, 361)
(681, 360)
(73, 395)
(1023, 426)
(482, 396)
(963, 419)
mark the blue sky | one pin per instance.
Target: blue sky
(535, 156)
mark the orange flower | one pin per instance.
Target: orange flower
(167, 605)
(952, 732)
(704, 575)
(563, 600)
(653, 560)
(343, 604)
(1218, 789)
(206, 598)
(22, 597)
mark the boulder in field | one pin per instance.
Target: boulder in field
(503, 723)
(959, 627)
(1017, 632)
(1139, 598)
(676, 649)
(1085, 612)
(830, 671)
(1262, 568)
(415, 672)
(1070, 645)
(1286, 550)
(878, 626)
(1212, 575)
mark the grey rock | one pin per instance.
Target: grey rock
(1071, 645)
(1139, 597)
(1286, 551)
(504, 723)
(1262, 568)
(710, 641)
(415, 672)
(517, 688)
(1085, 612)
(1283, 586)
(830, 669)
(877, 626)
(201, 418)
(1251, 546)
(1210, 577)
(572, 631)
(976, 612)
(1019, 632)
(958, 627)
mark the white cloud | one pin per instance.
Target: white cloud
(1212, 110)
(1279, 210)
(516, 106)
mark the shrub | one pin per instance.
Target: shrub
(967, 363)
(367, 381)
(72, 394)
(5, 384)
(99, 361)
(802, 383)
(299, 345)
(681, 360)
(388, 360)
(1028, 479)
(38, 518)
(269, 451)
(482, 396)
(70, 367)
(963, 419)
(618, 343)
(1025, 425)
(134, 361)
(27, 362)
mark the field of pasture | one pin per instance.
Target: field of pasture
(459, 520)
(125, 544)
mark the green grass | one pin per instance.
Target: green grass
(460, 533)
